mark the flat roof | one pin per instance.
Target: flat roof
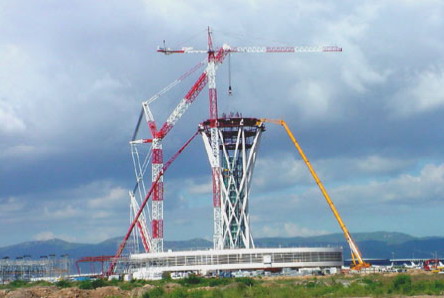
(239, 251)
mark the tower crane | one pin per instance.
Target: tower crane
(215, 57)
(154, 242)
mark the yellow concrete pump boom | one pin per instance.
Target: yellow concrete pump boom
(358, 262)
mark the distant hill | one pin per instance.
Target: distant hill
(77, 250)
(389, 238)
(372, 245)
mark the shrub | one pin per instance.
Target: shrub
(156, 292)
(217, 293)
(98, 283)
(402, 283)
(213, 282)
(63, 283)
(311, 284)
(127, 286)
(192, 279)
(166, 275)
(240, 286)
(438, 285)
(114, 282)
(246, 281)
(40, 283)
(85, 285)
(180, 293)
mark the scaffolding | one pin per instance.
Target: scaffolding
(27, 269)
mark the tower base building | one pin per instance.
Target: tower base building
(218, 262)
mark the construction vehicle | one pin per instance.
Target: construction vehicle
(357, 260)
(431, 265)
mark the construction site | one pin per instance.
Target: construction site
(231, 142)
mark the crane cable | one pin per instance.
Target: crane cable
(230, 90)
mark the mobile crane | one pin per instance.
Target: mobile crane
(357, 260)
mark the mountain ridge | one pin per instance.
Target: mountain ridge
(377, 244)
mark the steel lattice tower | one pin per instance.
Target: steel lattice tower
(238, 140)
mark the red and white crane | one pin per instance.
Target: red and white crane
(152, 242)
(215, 57)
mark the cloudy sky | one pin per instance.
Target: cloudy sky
(73, 75)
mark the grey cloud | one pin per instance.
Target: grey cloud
(73, 76)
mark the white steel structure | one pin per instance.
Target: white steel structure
(148, 266)
(234, 160)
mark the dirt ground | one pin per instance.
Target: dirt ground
(54, 292)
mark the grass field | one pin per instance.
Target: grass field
(332, 286)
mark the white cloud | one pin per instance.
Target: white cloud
(10, 123)
(358, 73)
(170, 10)
(424, 188)
(27, 152)
(285, 171)
(43, 236)
(357, 70)
(313, 99)
(277, 171)
(200, 188)
(100, 200)
(424, 93)
(379, 164)
(23, 85)
(113, 198)
(337, 169)
(11, 204)
(62, 212)
(107, 83)
(402, 193)
(103, 233)
(427, 187)
(48, 235)
(101, 214)
(287, 229)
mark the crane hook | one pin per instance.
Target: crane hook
(230, 90)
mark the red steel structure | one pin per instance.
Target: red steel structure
(92, 260)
